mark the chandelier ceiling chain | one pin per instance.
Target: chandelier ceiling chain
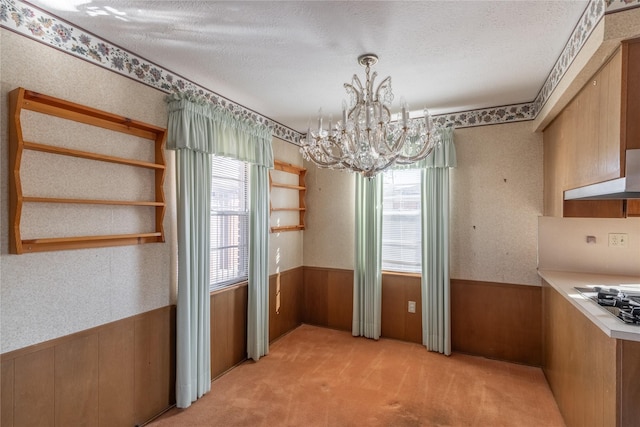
(366, 140)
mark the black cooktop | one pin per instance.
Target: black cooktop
(623, 304)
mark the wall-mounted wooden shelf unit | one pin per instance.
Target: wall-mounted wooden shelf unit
(22, 99)
(299, 187)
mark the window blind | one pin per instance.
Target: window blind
(229, 229)
(401, 221)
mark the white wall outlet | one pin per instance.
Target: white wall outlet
(412, 306)
(618, 239)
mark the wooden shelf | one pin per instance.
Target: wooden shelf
(90, 156)
(287, 228)
(22, 99)
(299, 187)
(90, 201)
(287, 209)
(63, 243)
(289, 186)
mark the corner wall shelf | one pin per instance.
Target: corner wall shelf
(300, 187)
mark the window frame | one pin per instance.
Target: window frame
(413, 210)
(221, 173)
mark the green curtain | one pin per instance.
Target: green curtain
(258, 299)
(197, 130)
(367, 281)
(436, 319)
(193, 372)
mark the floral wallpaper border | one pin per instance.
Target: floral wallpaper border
(588, 21)
(25, 19)
(618, 5)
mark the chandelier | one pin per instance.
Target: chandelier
(367, 140)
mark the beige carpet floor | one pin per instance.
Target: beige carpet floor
(321, 377)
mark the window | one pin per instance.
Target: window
(401, 221)
(229, 227)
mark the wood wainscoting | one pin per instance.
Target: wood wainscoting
(494, 320)
(328, 297)
(328, 302)
(118, 374)
(228, 323)
(229, 317)
(397, 323)
(286, 302)
(497, 320)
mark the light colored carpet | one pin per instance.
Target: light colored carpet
(321, 377)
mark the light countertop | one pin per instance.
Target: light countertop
(565, 281)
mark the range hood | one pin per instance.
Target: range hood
(621, 188)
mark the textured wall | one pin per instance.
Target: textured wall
(51, 294)
(329, 237)
(496, 199)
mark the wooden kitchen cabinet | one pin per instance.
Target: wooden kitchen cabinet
(594, 378)
(586, 142)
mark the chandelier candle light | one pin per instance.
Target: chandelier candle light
(366, 140)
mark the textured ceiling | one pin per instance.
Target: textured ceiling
(287, 59)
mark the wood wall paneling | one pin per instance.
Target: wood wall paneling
(512, 333)
(629, 382)
(498, 321)
(286, 302)
(76, 381)
(397, 322)
(116, 375)
(219, 330)
(340, 299)
(238, 339)
(34, 389)
(328, 297)
(6, 393)
(228, 328)
(316, 296)
(579, 364)
(154, 346)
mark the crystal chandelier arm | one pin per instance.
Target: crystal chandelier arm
(398, 144)
(426, 149)
(350, 88)
(329, 154)
(370, 85)
(317, 158)
(383, 85)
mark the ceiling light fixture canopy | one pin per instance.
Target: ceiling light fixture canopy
(367, 140)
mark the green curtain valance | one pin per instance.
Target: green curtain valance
(200, 126)
(442, 156)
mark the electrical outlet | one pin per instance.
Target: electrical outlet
(618, 239)
(412, 306)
